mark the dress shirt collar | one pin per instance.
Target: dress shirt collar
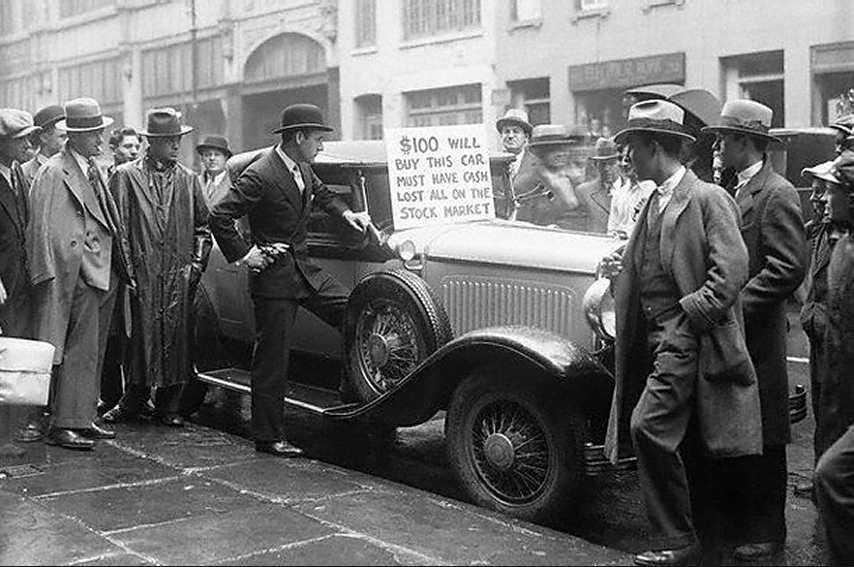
(217, 179)
(745, 175)
(289, 163)
(666, 188)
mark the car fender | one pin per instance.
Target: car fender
(540, 354)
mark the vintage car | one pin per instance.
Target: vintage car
(502, 324)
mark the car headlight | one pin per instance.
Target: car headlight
(406, 250)
(600, 309)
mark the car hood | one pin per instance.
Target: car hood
(511, 243)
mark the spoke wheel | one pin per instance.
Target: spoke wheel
(515, 444)
(388, 344)
(393, 323)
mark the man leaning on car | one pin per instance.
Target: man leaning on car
(277, 192)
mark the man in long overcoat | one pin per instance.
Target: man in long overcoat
(77, 264)
(680, 353)
(15, 128)
(166, 222)
(773, 229)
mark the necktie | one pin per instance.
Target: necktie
(97, 186)
(298, 179)
(653, 212)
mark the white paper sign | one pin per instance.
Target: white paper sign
(439, 175)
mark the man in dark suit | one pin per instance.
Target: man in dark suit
(515, 131)
(682, 367)
(278, 192)
(773, 230)
(216, 182)
(77, 262)
(595, 196)
(16, 126)
(49, 139)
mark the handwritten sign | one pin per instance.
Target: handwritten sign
(439, 175)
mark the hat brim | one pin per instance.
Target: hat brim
(505, 121)
(303, 126)
(605, 158)
(63, 125)
(623, 134)
(26, 132)
(745, 131)
(184, 131)
(226, 151)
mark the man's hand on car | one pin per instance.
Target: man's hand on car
(256, 259)
(611, 265)
(358, 221)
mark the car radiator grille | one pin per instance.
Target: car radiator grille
(473, 303)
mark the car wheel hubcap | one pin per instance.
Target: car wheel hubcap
(387, 344)
(511, 453)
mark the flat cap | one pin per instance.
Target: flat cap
(16, 123)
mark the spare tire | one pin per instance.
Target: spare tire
(393, 323)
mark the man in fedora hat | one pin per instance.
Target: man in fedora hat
(163, 209)
(214, 152)
(278, 192)
(515, 131)
(552, 201)
(16, 127)
(595, 196)
(772, 227)
(77, 262)
(48, 141)
(682, 367)
(628, 198)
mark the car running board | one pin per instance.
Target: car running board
(310, 398)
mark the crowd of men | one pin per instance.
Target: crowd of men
(717, 248)
(104, 263)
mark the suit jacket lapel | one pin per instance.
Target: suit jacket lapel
(747, 195)
(677, 205)
(80, 187)
(288, 185)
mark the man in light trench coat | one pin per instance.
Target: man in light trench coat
(681, 359)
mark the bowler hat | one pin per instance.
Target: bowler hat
(515, 116)
(844, 124)
(48, 116)
(83, 115)
(302, 117)
(824, 171)
(215, 143)
(655, 117)
(16, 123)
(746, 117)
(165, 122)
(605, 150)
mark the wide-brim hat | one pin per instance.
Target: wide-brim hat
(515, 116)
(215, 143)
(655, 117)
(302, 117)
(825, 171)
(164, 123)
(605, 150)
(83, 115)
(15, 124)
(746, 117)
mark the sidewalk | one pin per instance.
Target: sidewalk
(199, 496)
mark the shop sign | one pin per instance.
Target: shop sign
(626, 73)
(439, 175)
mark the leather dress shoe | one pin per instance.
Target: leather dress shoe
(95, 431)
(119, 415)
(172, 420)
(682, 556)
(69, 439)
(278, 448)
(30, 433)
(757, 551)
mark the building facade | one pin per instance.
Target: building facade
(231, 65)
